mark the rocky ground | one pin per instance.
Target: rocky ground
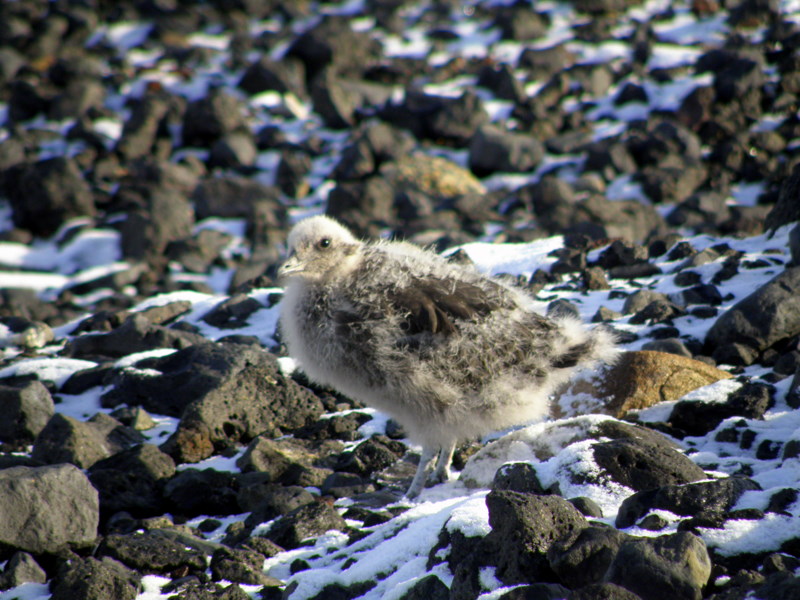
(631, 163)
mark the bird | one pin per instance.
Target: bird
(449, 352)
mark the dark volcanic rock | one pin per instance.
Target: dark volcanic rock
(47, 509)
(136, 334)
(234, 197)
(210, 118)
(93, 579)
(26, 410)
(584, 560)
(148, 552)
(307, 521)
(44, 195)
(264, 74)
(224, 393)
(82, 443)
(132, 480)
(765, 317)
(642, 465)
(698, 418)
(450, 120)
(192, 492)
(147, 124)
(524, 527)
(161, 215)
(517, 477)
(240, 565)
(786, 209)
(662, 568)
(715, 496)
(21, 568)
(492, 149)
(266, 500)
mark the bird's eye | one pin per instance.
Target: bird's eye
(324, 243)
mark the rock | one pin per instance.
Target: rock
(450, 120)
(695, 417)
(501, 80)
(240, 565)
(518, 477)
(266, 501)
(537, 591)
(524, 527)
(786, 210)
(144, 127)
(132, 480)
(234, 150)
(233, 312)
(542, 63)
(492, 149)
(65, 439)
(585, 559)
(370, 456)
(233, 197)
(602, 591)
(434, 176)
(148, 552)
(288, 461)
(264, 74)
(335, 100)
(26, 410)
(208, 119)
(333, 43)
(21, 568)
(292, 171)
(767, 316)
(717, 496)
(136, 334)
(364, 206)
(46, 509)
(641, 464)
(668, 345)
(429, 587)
(29, 335)
(666, 567)
(224, 393)
(640, 379)
(162, 215)
(93, 579)
(193, 492)
(310, 520)
(46, 194)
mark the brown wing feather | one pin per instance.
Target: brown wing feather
(433, 305)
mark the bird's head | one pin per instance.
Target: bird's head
(319, 249)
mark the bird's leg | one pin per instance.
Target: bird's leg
(442, 472)
(418, 483)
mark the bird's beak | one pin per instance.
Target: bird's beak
(291, 266)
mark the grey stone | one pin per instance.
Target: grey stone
(663, 568)
(26, 410)
(765, 317)
(95, 579)
(717, 496)
(46, 509)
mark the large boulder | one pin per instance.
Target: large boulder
(46, 509)
(637, 380)
(767, 316)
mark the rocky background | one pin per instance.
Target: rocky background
(156, 442)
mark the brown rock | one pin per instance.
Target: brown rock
(639, 379)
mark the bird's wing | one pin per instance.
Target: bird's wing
(432, 305)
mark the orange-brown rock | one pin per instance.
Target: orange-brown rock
(639, 379)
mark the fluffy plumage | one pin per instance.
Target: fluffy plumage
(448, 352)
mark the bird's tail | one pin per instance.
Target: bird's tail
(581, 347)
